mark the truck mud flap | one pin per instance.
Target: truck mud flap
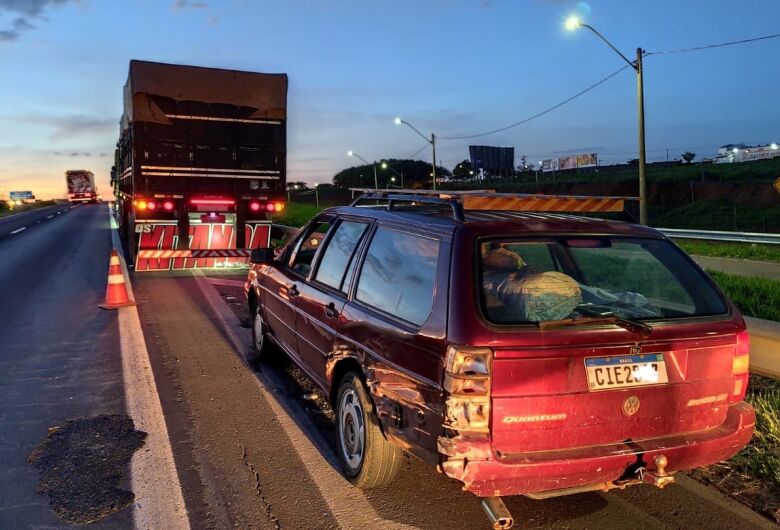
(212, 246)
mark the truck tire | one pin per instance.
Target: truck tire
(369, 460)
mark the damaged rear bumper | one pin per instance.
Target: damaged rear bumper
(545, 471)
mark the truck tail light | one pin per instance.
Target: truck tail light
(269, 207)
(151, 205)
(168, 205)
(467, 375)
(140, 204)
(740, 367)
(254, 206)
(278, 206)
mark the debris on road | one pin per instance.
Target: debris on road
(82, 464)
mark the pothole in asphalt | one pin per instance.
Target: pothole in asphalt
(82, 466)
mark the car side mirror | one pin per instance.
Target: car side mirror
(262, 256)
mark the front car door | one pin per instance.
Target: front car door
(280, 287)
(322, 298)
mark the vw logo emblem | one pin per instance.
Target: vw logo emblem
(635, 349)
(630, 405)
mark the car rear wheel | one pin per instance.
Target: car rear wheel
(368, 459)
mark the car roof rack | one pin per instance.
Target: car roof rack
(460, 201)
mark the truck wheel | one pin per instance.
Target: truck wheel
(368, 459)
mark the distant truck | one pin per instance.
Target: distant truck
(81, 186)
(201, 153)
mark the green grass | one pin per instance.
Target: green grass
(755, 297)
(761, 458)
(731, 250)
(296, 214)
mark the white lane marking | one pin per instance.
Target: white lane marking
(348, 505)
(159, 502)
(59, 213)
(19, 230)
(49, 216)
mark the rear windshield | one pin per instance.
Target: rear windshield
(533, 280)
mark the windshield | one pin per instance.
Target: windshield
(531, 280)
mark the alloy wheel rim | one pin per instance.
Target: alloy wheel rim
(351, 429)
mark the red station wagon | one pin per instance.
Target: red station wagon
(519, 352)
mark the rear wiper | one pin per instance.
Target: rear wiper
(608, 318)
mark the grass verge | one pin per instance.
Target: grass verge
(755, 297)
(731, 250)
(6, 211)
(296, 214)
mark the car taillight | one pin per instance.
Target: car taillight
(254, 206)
(168, 205)
(151, 205)
(740, 367)
(467, 382)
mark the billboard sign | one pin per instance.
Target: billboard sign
(492, 158)
(570, 162)
(20, 195)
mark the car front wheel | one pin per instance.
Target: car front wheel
(368, 459)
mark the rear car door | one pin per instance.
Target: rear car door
(281, 285)
(322, 298)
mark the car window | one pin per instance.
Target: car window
(398, 275)
(631, 278)
(307, 245)
(338, 253)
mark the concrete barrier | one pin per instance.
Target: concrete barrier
(764, 347)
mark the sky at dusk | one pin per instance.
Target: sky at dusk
(453, 67)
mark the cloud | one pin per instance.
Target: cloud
(27, 9)
(64, 126)
(185, 4)
(18, 26)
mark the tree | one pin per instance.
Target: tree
(417, 174)
(463, 170)
(688, 157)
(297, 185)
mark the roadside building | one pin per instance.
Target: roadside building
(746, 153)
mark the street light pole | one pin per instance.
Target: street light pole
(574, 23)
(640, 92)
(376, 181)
(431, 140)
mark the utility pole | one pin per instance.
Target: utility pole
(640, 90)
(433, 145)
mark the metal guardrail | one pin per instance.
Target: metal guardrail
(712, 235)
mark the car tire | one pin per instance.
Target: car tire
(259, 339)
(369, 460)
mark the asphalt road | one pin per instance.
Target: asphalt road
(743, 267)
(251, 447)
(59, 355)
(14, 224)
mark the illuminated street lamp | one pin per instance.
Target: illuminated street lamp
(573, 23)
(352, 153)
(773, 146)
(431, 140)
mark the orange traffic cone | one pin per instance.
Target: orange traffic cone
(116, 292)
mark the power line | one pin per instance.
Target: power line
(539, 114)
(719, 45)
(417, 152)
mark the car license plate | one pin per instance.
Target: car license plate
(607, 373)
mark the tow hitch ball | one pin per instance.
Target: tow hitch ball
(497, 512)
(659, 478)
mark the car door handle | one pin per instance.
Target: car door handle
(330, 311)
(293, 291)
